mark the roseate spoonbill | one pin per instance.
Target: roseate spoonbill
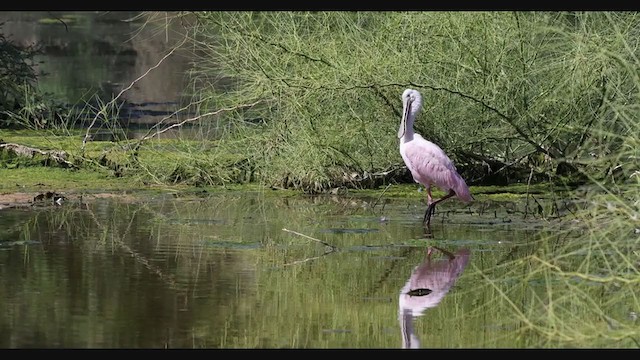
(429, 165)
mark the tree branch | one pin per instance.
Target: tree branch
(103, 110)
(375, 87)
(290, 51)
(211, 113)
(504, 117)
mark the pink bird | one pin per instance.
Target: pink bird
(429, 165)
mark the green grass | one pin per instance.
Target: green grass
(161, 161)
(44, 179)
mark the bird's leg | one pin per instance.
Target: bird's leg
(450, 194)
(429, 202)
(429, 251)
(432, 207)
(446, 252)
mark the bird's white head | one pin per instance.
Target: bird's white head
(411, 105)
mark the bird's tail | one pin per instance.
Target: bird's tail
(462, 190)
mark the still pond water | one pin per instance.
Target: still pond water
(237, 270)
(93, 55)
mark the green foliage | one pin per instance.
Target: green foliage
(22, 104)
(17, 76)
(506, 93)
(159, 161)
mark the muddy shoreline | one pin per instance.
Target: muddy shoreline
(49, 198)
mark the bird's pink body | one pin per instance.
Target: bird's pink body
(428, 163)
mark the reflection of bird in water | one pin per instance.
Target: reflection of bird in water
(427, 162)
(428, 284)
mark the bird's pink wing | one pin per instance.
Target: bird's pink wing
(430, 165)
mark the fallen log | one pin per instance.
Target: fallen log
(58, 156)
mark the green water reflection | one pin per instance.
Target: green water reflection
(220, 272)
(89, 54)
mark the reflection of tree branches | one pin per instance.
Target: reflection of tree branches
(518, 252)
(308, 259)
(169, 279)
(385, 275)
(516, 309)
(312, 238)
(379, 197)
(328, 248)
(66, 28)
(594, 278)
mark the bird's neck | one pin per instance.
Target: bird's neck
(408, 133)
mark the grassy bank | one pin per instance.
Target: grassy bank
(310, 101)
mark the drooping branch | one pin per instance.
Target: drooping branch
(504, 117)
(192, 119)
(103, 110)
(375, 87)
(308, 259)
(278, 45)
(377, 91)
(284, 48)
